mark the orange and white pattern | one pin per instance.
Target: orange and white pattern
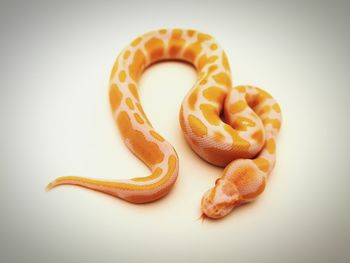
(244, 143)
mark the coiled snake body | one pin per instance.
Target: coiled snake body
(244, 143)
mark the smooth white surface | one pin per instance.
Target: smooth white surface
(56, 121)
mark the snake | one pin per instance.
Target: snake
(235, 127)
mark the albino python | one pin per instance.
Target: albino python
(244, 142)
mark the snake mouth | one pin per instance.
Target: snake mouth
(217, 211)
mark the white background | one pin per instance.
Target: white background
(56, 120)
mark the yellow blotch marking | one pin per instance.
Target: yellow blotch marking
(157, 172)
(262, 164)
(225, 61)
(197, 126)
(214, 94)
(137, 64)
(241, 89)
(242, 123)
(238, 142)
(176, 33)
(218, 136)
(270, 146)
(190, 32)
(264, 109)
(276, 108)
(139, 107)
(133, 90)
(223, 79)
(130, 103)
(192, 51)
(176, 43)
(258, 136)
(122, 75)
(182, 119)
(244, 177)
(162, 31)
(203, 37)
(213, 46)
(254, 100)
(138, 118)
(127, 54)
(115, 97)
(155, 47)
(157, 136)
(274, 122)
(171, 168)
(238, 106)
(204, 60)
(114, 69)
(210, 113)
(136, 41)
(192, 99)
(263, 95)
(148, 152)
(212, 68)
(212, 194)
(203, 81)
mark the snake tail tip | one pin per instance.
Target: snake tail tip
(50, 186)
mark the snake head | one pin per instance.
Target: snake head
(218, 201)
